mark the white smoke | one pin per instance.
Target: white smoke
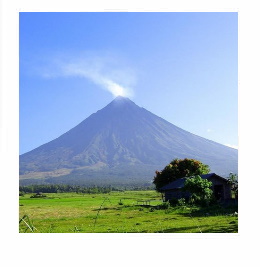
(99, 76)
(109, 72)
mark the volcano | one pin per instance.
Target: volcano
(118, 145)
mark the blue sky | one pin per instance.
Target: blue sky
(180, 66)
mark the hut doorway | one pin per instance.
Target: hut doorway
(219, 192)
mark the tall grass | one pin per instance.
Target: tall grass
(27, 222)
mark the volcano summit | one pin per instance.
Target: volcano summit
(118, 145)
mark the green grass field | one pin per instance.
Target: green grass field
(119, 212)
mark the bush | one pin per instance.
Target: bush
(200, 190)
(181, 202)
(164, 206)
(38, 195)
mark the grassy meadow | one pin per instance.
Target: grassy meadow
(119, 212)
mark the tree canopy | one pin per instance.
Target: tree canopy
(179, 168)
(199, 189)
(233, 181)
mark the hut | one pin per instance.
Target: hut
(220, 186)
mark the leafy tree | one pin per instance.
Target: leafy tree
(232, 179)
(199, 189)
(179, 168)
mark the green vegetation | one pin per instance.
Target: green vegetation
(65, 188)
(233, 180)
(179, 168)
(120, 212)
(199, 189)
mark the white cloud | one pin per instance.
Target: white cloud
(233, 146)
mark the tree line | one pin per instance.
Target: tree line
(64, 188)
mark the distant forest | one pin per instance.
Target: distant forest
(62, 188)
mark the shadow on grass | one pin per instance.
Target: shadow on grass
(193, 229)
(231, 228)
(107, 208)
(216, 210)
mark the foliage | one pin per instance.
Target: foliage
(38, 195)
(67, 188)
(199, 189)
(63, 188)
(179, 168)
(233, 180)
(165, 205)
(181, 202)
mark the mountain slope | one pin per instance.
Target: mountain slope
(122, 137)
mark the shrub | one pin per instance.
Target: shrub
(38, 195)
(200, 190)
(120, 202)
(181, 202)
(164, 205)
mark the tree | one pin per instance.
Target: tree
(179, 168)
(199, 189)
(233, 181)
